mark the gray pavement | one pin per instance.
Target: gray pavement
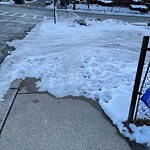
(38, 120)
(42, 122)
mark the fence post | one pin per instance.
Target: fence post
(137, 80)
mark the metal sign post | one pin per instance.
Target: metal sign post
(55, 11)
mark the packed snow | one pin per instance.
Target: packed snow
(97, 61)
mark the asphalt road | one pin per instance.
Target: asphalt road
(16, 21)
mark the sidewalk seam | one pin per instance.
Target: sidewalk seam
(7, 104)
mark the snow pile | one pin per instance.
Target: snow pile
(97, 61)
(7, 2)
(106, 1)
(136, 1)
(30, 1)
(139, 6)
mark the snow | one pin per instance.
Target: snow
(98, 9)
(136, 0)
(105, 1)
(139, 6)
(10, 2)
(30, 1)
(97, 61)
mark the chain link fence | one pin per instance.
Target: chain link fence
(142, 114)
(139, 112)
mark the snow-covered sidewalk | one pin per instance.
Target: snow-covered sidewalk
(97, 61)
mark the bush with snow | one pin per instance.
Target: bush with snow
(141, 8)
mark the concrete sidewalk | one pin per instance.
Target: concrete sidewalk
(39, 121)
(33, 120)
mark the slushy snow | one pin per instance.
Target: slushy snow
(97, 61)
